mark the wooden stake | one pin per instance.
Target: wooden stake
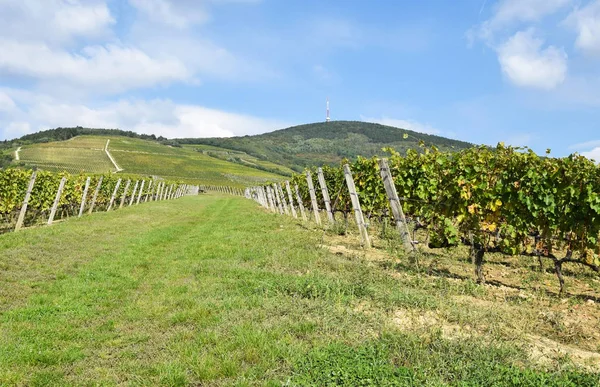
(278, 199)
(56, 200)
(283, 201)
(290, 198)
(313, 198)
(149, 192)
(125, 193)
(325, 193)
(114, 194)
(360, 221)
(21, 217)
(140, 192)
(159, 191)
(132, 198)
(95, 195)
(300, 204)
(84, 196)
(271, 200)
(392, 194)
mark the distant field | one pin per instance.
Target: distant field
(190, 165)
(87, 142)
(73, 160)
(85, 153)
(239, 157)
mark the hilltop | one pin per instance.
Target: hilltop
(327, 143)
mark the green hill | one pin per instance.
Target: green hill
(236, 160)
(326, 143)
(145, 157)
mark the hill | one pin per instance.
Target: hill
(327, 143)
(236, 160)
(85, 153)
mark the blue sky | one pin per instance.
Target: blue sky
(526, 72)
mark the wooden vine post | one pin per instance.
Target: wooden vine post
(264, 196)
(277, 199)
(114, 194)
(84, 196)
(392, 194)
(159, 193)
(61, 186)
(282, 197)
(95, 195)
(263, 193)
(271, 201)
(21, 217)
(132, 198)
(300, 204)
(149, 192)
(124, 196)
(140, 192)
(360, 220)
(325, 192)
(290, 199)
(313, 197)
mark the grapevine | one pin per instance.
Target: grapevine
(503, 199)
(14, 182)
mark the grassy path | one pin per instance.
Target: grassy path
(213, 291)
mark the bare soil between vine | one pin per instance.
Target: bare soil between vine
(518, 303)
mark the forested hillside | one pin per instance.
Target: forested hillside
(327, 143)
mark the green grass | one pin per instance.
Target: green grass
(214, 291)
(85, 153)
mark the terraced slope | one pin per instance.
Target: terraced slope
(86, 154)
(74, 156)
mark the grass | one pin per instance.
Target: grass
(85, 153)
(212, 290)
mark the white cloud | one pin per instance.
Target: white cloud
(593, 154)
(55, 21)
(17, 129)
(160, 117)
(109, 68)
(586, 22)
(178, 14)
(6, 103)
(508, 13)
(526, 63)
(403, 124)
(586, 145)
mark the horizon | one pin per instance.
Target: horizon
(243, 135)
(520, 72)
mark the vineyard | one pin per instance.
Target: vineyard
(501, 199)
(191, 164)
(72, 160)
(30, 198)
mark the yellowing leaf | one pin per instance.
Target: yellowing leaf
(472, 208)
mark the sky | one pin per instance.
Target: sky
(523, 72)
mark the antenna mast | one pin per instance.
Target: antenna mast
(327, 119)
